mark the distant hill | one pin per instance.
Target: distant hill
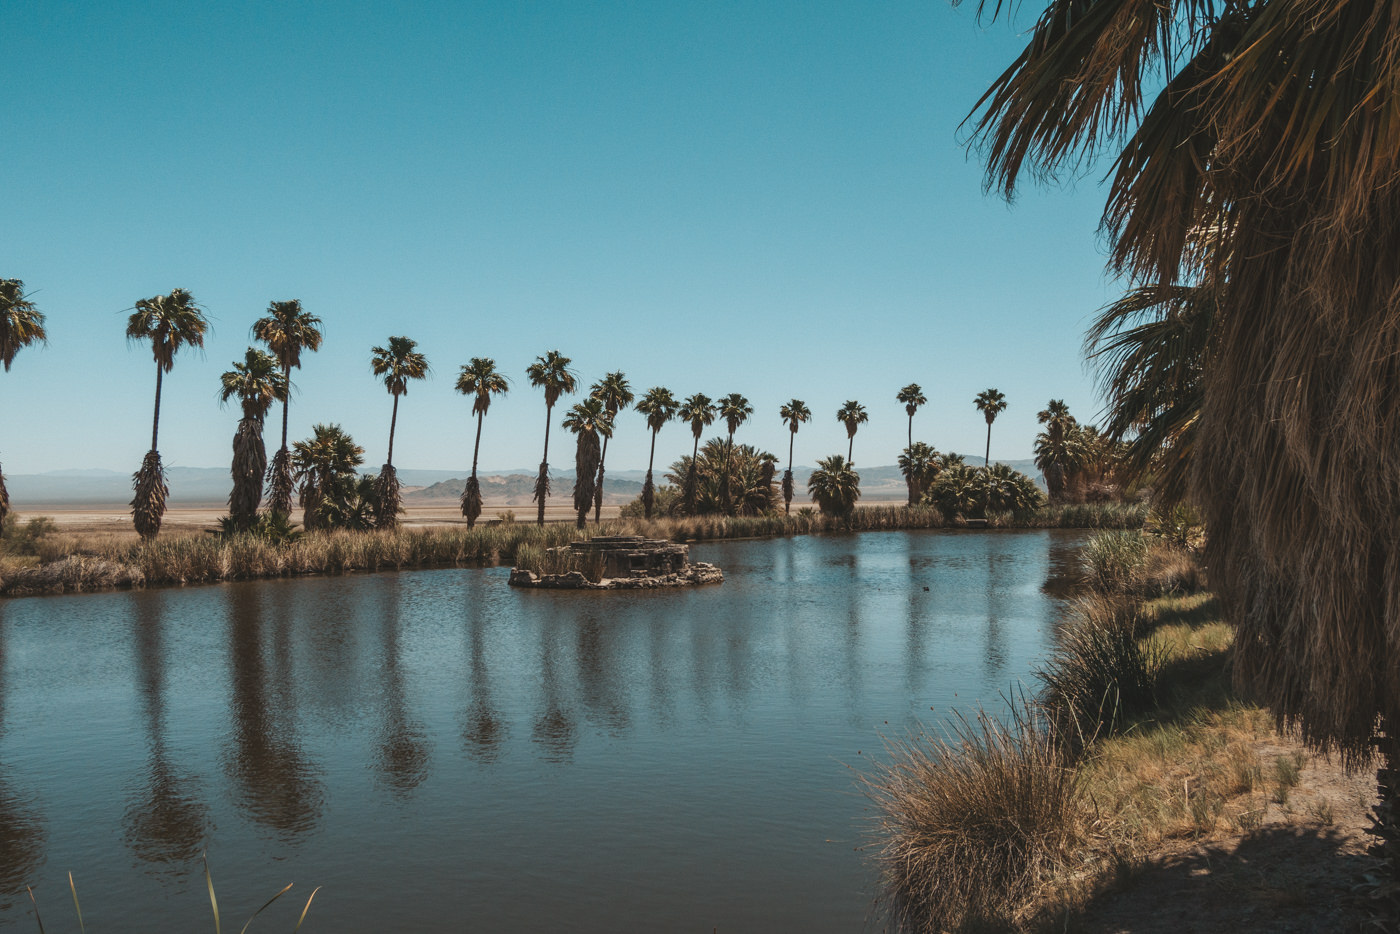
(518, 489)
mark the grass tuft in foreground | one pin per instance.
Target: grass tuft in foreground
(974, 824)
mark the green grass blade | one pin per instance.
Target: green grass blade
(76, 907)
(265, 904)
(32, 901)
(212, 900)
(305, 910)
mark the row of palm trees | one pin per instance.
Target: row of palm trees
(262, 378)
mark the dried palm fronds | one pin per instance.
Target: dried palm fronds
(471, 501)
(280, 484)
(148, 505)
(249, 464)
(386, 498)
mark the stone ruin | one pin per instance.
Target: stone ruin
(628, 562)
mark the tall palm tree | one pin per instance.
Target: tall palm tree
(589, 420)
(920, 463)
(287, 331)
(326, 466)
(257, 384)
(912, 396)
(698, 412)
(835, 486)
(735, 410)
(659, 407)
(852, 415)
(397, 364)
(1057, 452)
(793, 413)
(616, 394)
(169, 322)
(481, 380)
(990, 403)
(1265, 124)
(551, 373)
(21, 324)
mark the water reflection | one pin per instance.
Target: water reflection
(554, 730)
(403, 754)
(271, 778)
(484, 730)
(655, 750)
(166, 822)
(21, 831)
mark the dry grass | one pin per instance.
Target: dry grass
(972, 827)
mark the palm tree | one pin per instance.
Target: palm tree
(552, 374)
(169, 322)
(1150, 347)
(257, 384)
(699, 413)
(852, 415)
(920, 463)
(590, 420)
(287, 330)
(835, 486)
(1255, 150)
(793, 414)
(616, 394)
(912, 396)
(481, 380)
(1057, 453)
(990, 403)
(326, 466)
(659, 407)
(398, 363)
(21, 324)
(735, 410)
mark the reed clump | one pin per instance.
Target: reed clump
(973, 825)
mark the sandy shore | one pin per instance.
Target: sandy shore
(116, 519)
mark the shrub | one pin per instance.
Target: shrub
(1100, 675)
(835, 486)
(1114, 561)
(969, 827)
(665, 502)
(24, 538)
(973, 491)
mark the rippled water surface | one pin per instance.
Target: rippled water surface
(442, 752)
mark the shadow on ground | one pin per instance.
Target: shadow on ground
(1278, 879)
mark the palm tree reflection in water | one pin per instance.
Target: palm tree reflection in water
(21, 832)
(404, 754)
(554, 730)
(165, 821)
(483, 732)
(272, 781)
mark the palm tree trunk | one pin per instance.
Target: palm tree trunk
(787, 477)
(987, 457)
(598, 489)
(648, 490)
(542, 481)
(476, 448)
(286, 403)
(911, 431)
(690, 479)
(850, 448)
(393, 422)
(155, 422)
(724, 480)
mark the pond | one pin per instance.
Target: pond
(438, 750)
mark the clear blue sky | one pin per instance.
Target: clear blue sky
(769, 198)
